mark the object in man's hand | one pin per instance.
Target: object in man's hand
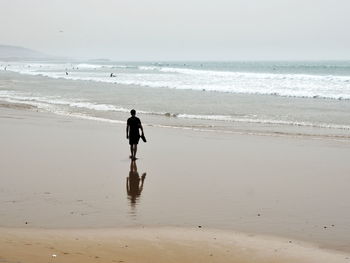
(143, 138)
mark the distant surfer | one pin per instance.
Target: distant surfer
(133, 127)
(112, 75)
(66, 73)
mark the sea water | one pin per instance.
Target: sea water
(284, 98)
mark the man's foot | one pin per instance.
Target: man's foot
(134, 158)
(130, 156)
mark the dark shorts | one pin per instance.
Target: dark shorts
(134, 139)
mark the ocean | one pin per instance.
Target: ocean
(268, 98)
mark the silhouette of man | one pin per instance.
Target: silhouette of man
(133, 127)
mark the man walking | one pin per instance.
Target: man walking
(132, 133)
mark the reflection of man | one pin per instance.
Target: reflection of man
(132, 133)
(133, 185)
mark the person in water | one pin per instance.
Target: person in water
(133, 127)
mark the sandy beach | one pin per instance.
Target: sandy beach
(243, 154)
(275, 199)
(154, 245)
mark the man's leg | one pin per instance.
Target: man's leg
(131, 151)
(135, 150)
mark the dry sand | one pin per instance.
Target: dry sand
(153, 245)
(64, 179)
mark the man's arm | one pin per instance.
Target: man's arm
(141, 128)
(127, 131)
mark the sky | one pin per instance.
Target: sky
(180, 29)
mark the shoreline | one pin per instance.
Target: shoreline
(331, 137)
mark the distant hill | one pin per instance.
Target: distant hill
(19, 53)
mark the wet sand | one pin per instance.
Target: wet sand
(62, 173)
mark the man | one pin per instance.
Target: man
(132, 133)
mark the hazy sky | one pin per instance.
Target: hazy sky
(180, 29)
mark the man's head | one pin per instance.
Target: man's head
(133, 112)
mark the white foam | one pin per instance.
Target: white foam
(88, 66)
(263, 121)
(289, 85)
(16, 97)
